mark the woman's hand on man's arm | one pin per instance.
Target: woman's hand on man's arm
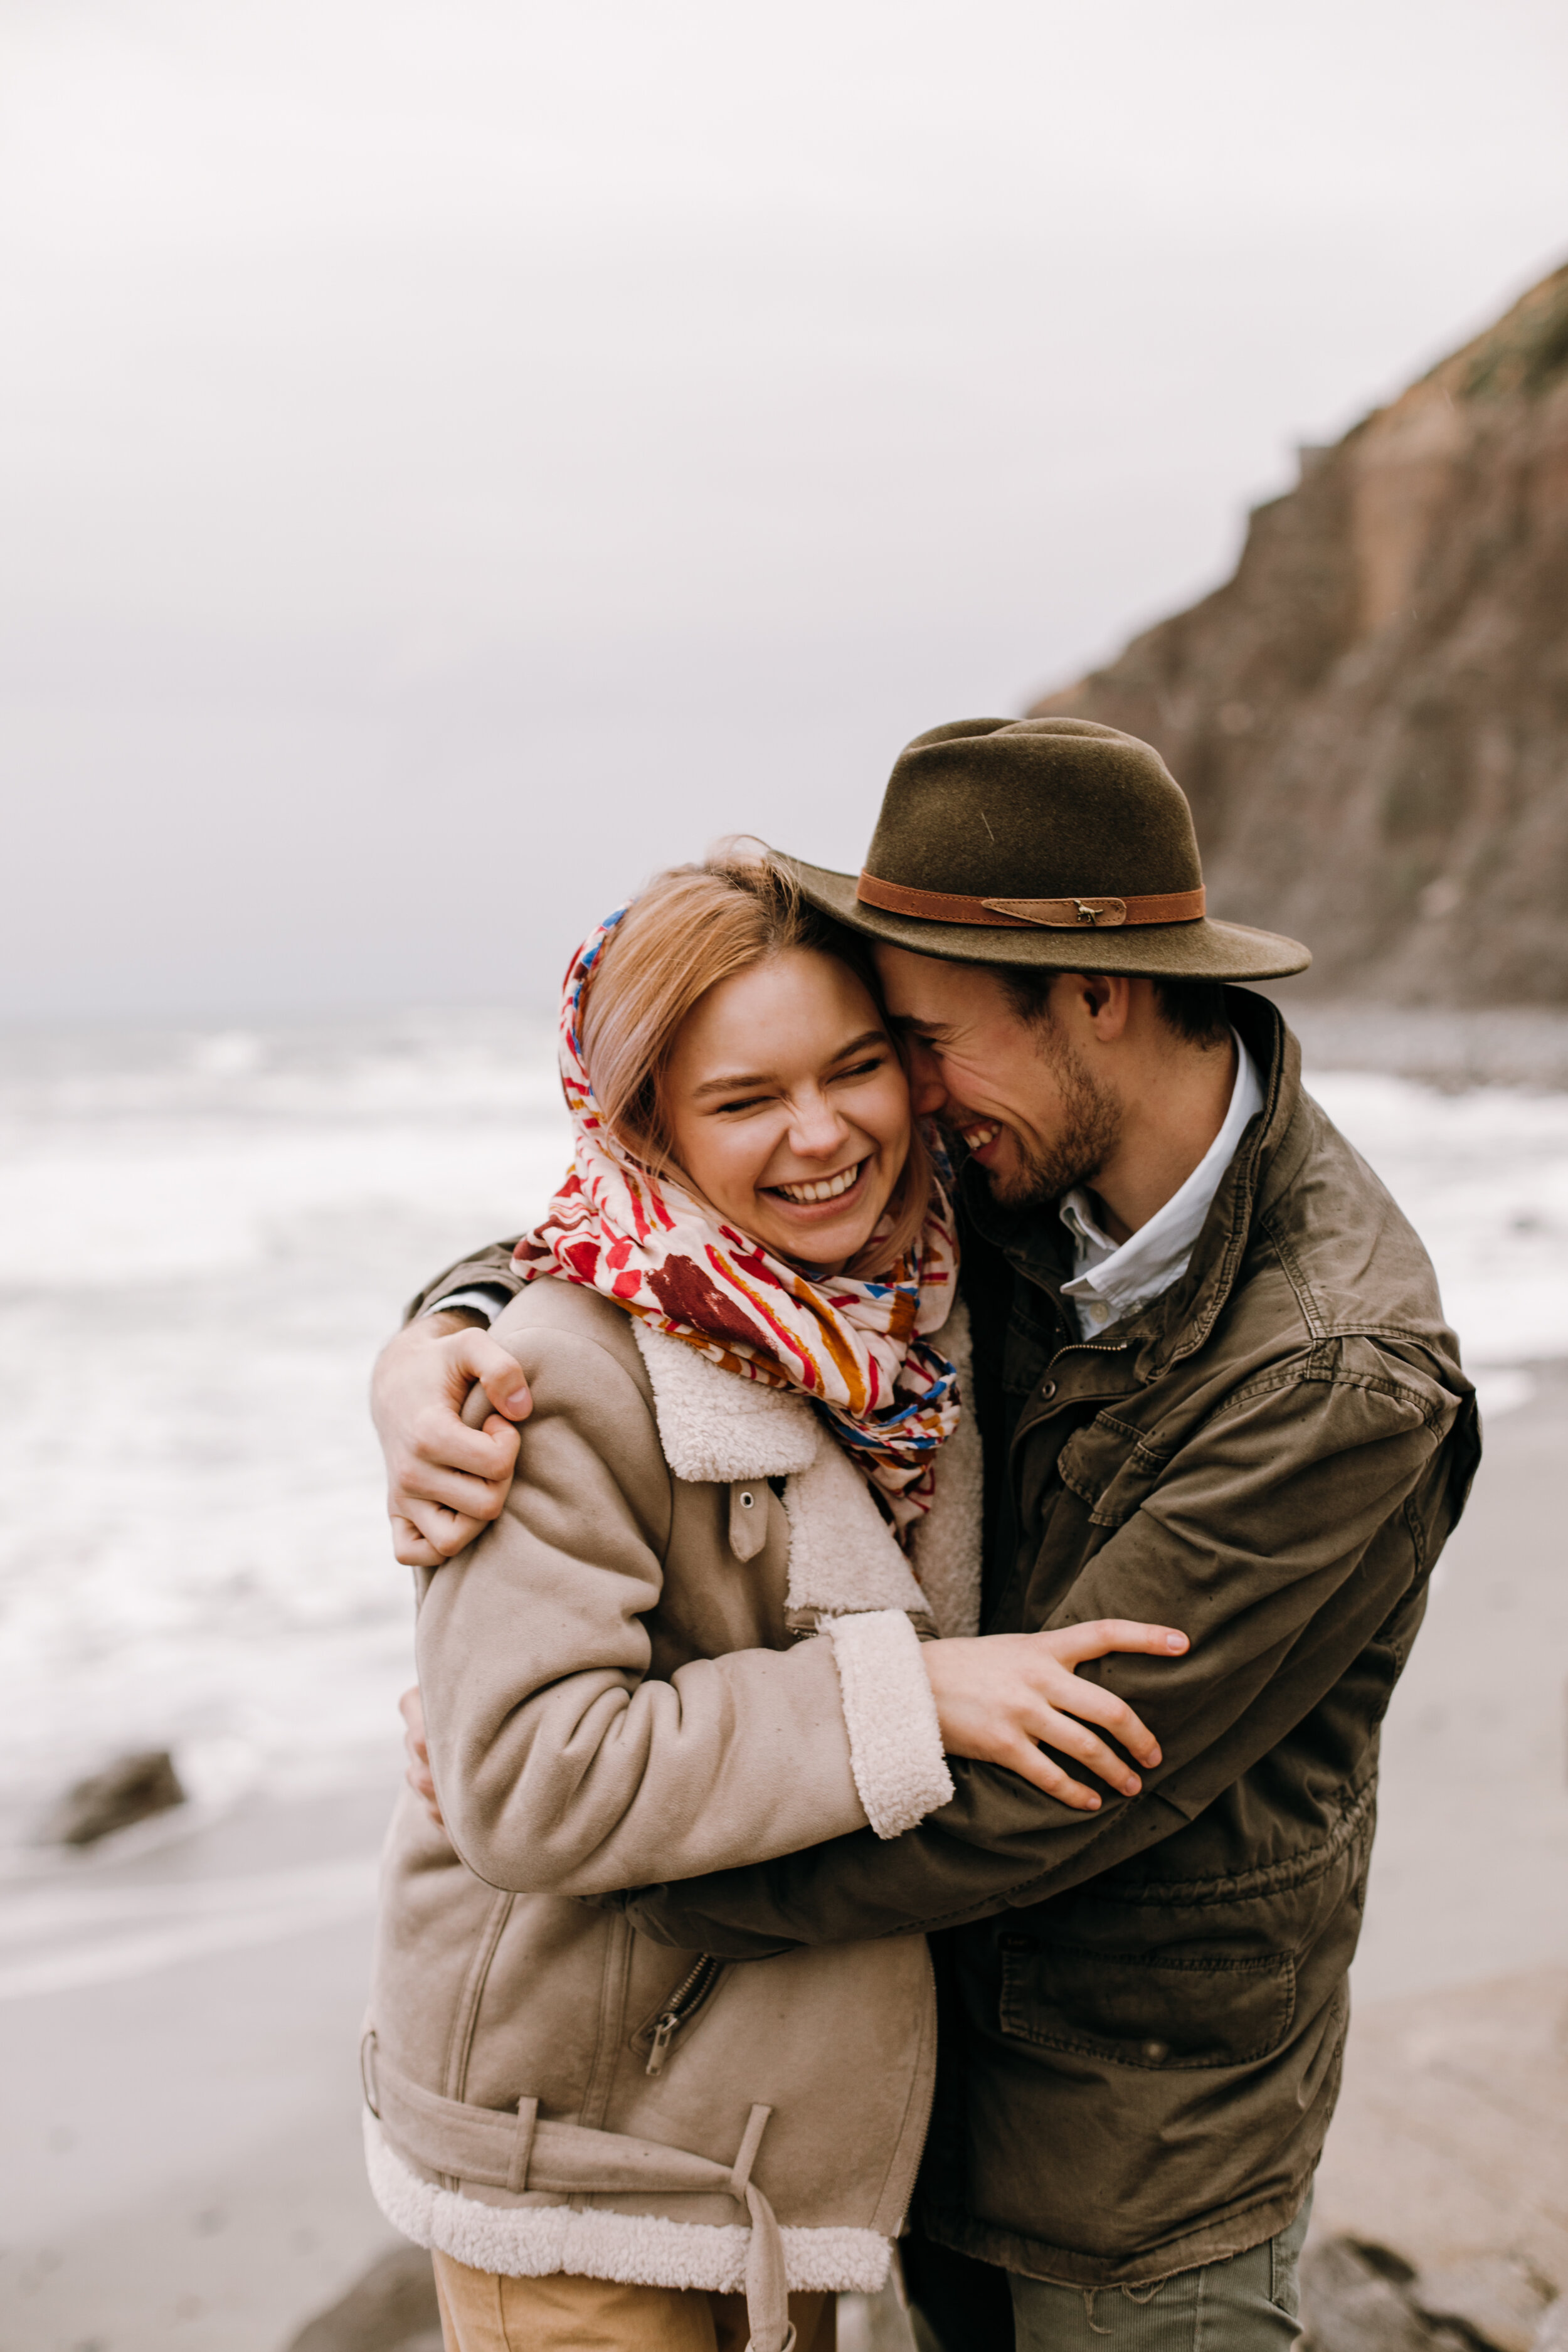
(445, 1478)
(1004, 1698)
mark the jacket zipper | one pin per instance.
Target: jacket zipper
(473, 1996)
(929, 2100)
(684, 2002)
(916, 2138)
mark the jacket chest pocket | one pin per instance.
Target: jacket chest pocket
(1111, 1468)
(1139, 2008)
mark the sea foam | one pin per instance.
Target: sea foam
(204, 1237)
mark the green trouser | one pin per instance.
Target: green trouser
(1248, 2303)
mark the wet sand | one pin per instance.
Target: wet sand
(180, 2152)
(181, 2147)
(1451, 2139)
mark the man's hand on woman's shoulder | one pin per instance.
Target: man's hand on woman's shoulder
(446, 1476)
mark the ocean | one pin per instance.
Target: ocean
(203, 1236)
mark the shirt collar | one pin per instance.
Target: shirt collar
(1109, 1280)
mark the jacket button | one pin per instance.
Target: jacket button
(1048, 1390)
(1156, 2053)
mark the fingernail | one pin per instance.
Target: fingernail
(1094, 1804)
(1175, 1640)
(1151, 1755)
(1130, 1786)
(517, 1399)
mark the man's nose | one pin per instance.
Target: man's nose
(927, 1092)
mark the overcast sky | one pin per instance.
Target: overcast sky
(456, 453)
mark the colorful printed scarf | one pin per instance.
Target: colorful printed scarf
(853, 1348)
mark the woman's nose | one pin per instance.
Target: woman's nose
(815, 1126)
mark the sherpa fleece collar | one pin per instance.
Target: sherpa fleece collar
(714, 1425)
(716, 1428)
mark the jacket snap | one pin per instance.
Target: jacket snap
(748, 1523)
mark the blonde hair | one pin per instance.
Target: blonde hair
(692, 927)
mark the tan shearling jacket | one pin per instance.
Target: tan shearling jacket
(690, 1643)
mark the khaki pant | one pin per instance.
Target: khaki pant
(1245, 2303)
(481, 2312)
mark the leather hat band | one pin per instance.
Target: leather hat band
(1031, 914)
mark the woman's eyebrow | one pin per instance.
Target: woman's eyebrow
(739, 1083)
(734, 1086)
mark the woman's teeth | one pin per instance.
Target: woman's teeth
(825, 1188)
(980, 1135)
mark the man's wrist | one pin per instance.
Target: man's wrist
(444, 1321)
(491, 1272)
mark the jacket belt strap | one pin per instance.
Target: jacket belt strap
(1066, 914)
(485, 2144)
(517, 2152)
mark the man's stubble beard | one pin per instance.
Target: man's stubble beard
(1090, 1131)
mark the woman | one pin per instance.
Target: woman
(746, 1355)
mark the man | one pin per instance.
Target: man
(1214, 1386)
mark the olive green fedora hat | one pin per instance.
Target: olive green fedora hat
(1050, 842)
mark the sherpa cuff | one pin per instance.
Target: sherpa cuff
(895, 1740)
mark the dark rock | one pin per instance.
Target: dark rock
(132, 1788)
(392, 2309)
(1495, 2299)
(1355, 2298)
(1370, 718)
(1383, 2260)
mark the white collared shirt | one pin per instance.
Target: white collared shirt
(1109, 1278)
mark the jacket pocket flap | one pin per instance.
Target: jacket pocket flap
(1110, 1467)
(1139, 2008)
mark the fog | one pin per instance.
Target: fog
(452, 457)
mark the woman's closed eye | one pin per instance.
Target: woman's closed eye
(736, 1105)
(741, 1103)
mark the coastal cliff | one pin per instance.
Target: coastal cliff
(1371, 717)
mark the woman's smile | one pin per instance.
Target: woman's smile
(811, 1192)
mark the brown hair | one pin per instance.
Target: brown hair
(692, 927)
(1195, 1009)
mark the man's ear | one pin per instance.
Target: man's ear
(1107, 1000)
